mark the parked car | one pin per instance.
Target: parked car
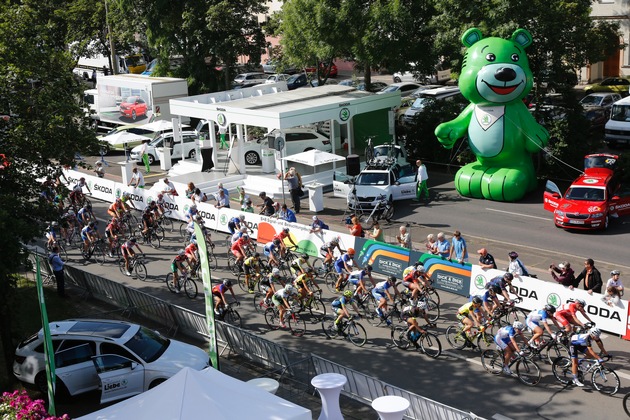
(403, 87)
(444, 93)
(133, 107)
(131, 128)
(315, 83)
(120, 358)
(250, 78)
(405, 104)
(178, 150)
(301, 139)
(360, 84)
(603, 99)
(297, 81)
(440, 76)
(269, 66)
(278, 77)
(617, 130)
(618, 85)
(593, 197)
(322, 69)
(395, 181)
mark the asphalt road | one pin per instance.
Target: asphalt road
(456, 378)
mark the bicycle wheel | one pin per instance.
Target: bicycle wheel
(626, 404)
(561, 369)
(169, 282)
(159, 231)
(555, 351)
(121, 265)
(433, 294)
(331, 281)
(430, 345)
(190, 287)
(605, 380)
(232, 265)
(63, 254)
(388, 214)
(141, 270)
(241, 282)
(167, 224)
(259, 302)
(297, 325)
(154, 240)
(228, 243)
(432, 310)
(317, 310)
(455, 337)
(356, 334)
(233, 318)
(528, 372)
(213, 263)
(99, 254)
(492, 361)
(515, 314)
(318, 267)
(271, 318)
(183, 230)
(329, 327)
(485, 341)
(400, 338)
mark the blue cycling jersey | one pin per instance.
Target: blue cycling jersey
(505, 333)
(581, 340)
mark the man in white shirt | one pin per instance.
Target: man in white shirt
(422, 190)
(137, 179)
(169, 188)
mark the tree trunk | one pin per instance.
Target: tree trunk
(368, 77)
(6, 336)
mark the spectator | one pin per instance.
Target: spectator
(266, 207)
(377, 232)
(169, 188)
(137, 179)
(458, 247)
(99, 170)
(614, 289)
(225, 190)
(248, 208)
(287, 214)
(486, 260)
(57, 264)
(421, 188)
(242, 197)
(404, 238)
(592, 278)
(564, 276)
(222, 200)
(93, 78)
(145, 156)
(317, 226)
(190, 191)
(431, 244)
(516, 267)
(295, 187)
(443, 246)
(355, 227)
(199, 197)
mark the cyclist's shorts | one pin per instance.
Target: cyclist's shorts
(232, 227)
(531, 324)
(173, 267)
(407, 284)
(337, 310)
(248, 269)
(84, 237)
(500, 343)
(461, 317)
(265, 287)
(109, 234)
(277, 301)
(378, 295)
(323, 252)
(354, 281)
(561, 320)
(266, 252)
(339, 268)
(575, 350)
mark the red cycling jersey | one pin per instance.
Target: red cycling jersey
(567, 309)
(280, 236)
(240, 243)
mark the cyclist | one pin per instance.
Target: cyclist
(89, 234)
(178, 264)
(356, 278)
(410, 269)
(328, 250)
(267, 284)
(238, 249)
(160, 203)
(505, 283)
(76, 195)
(237, 234)
(85, 215)
(504, 339)
(279, 299)
(538, 317)
(490, 299)
(300, 264)
(469, 314)
(218, 294)
(68, 223)
(191, 213)
(51, 234)
(415, 281)
(301, 282)
(112, 231)
(271, 251)
(251, 265)
(191, 254)
(127, 202)
(147, 221)
(381, 294)
(116, 209)
(127, 252)
(339, 307)
(282, 235)
(566, 314)
(581, 343)
(343, 265)
(410, 314)
(236, 223)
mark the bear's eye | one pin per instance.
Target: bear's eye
(491, 57)
(515, 57)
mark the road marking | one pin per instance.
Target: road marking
(521, 214)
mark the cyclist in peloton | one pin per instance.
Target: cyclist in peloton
(218, 295)
(381, 294)
(343, 266)
(504, 339)
(238, 249)
(300, 264)
(416, 281)
(191, 254)
(537, 318)
(356, 278)
(505, 283)
(469, 314)
(251, 266)
(112, 231)
(236, 223)
(178, 264)
(116, 209)
(147, 221)
(127, 252)
(410, 314)
(89, 234)
(490, 299)
(328, 250)
(339, 307)
(279, 299)
(160, 203)
(282, 235)
(267, 284)
(581, 343)
(85, 215)
(77, 191)
(127, 202)
(301, 282)
(271, 251)
(51, 234)
(566, 314)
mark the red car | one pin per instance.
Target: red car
(322, 70)
(133, 107)
(592, 198)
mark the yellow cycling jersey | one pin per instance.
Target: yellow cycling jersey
(301, 279)
(466, 308)
(251, 261)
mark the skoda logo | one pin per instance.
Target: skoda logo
(221, 119)
(223, 219)
(150, 200)
(479, 282)
(117, 192)
(186, 207)
(553, 299)
(344, 114)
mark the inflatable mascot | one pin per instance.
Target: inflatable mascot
(502, 133)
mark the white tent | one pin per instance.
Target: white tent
(207, 394)
(314, 157)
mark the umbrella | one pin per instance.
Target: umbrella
(159, 125)
(124, 137)
(314, 157)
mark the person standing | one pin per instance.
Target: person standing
(422, 190)
(614, 289)
(404, 238)
(564, 276)
(99, 170)
(443, 246)
(377, 232)
(295, 187)
(592, 278)
(137, 179)
(458, 247)
(57, 264)
(145, 156)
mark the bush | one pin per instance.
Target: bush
(18, 405)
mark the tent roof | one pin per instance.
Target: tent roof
(192, 394)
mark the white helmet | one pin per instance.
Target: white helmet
(595, 332)
(291, 290)
(275, 271)
(420, 268)
(518, 325)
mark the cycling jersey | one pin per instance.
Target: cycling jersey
(339, 263)
(581, 340)
(127, 248)
(269, 249)
(251, 261)
(499, 281)
(299, 263)
(342, 301)
(179, 258)
(487, 297)
(234, 224)
(567, 309)
(79, 187)
(301, 280)
(51, 233)
(241, 242)
(328, 248)
(83, 214)
(281, 235)
(409, 270)
(269, 279)
(219, 289)
(356, 276)
(282, 294)
(191, 249)
(190, 214)
(466, 308)
(87, 230)
(538, 316)
(505, 334)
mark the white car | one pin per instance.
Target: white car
(405, 88)
(278, 77)
(188, 149)
(119, 358)
(395, 181)
(250, 78)
(298, 140)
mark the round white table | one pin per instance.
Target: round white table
(390, 407)
(267, 384)
(329, 386)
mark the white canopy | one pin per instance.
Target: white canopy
(159, 125)
(207, 394)
(124, 137)
(314, 157)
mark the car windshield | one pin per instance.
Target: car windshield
(421, 102)
(390, 88)
(132, 99)
(586, 194)
(620, 113)
(134, 60)
(293, 78)
(148, 344)
(591, 100)
(372, 178)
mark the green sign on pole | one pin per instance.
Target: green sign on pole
(49, 352)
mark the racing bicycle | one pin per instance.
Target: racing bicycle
(96, 249)
(292, 319)
(603, 378)
(136, 267)
(183, 282)
(229, 315)
(551, 347)
(350, 330)
(527, 370)
(479, 339)
(426, 342)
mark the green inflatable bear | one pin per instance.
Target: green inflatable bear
(502, 133)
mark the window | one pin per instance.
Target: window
(147, 344)
(111, 348)
(373, 178)
(189, 139)
(74, 355)
(110, 362)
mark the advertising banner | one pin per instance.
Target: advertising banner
(446, 275)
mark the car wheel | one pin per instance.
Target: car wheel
(397, 80)
(252, 158)
(308, 148)
(156, 383)
(606, 223)
(192, 154)
(133, 115)
(41, 382)
(151, 159)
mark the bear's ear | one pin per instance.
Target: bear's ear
(471, 36)
(522, 37)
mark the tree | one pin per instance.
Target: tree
(46, 124)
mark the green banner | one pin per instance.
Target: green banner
(49, 352)
(207, 288)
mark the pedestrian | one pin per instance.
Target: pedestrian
(431, 244)
(486, 260)
(421, 188)
(458, 247)
(404, 237)
(377, 232)
(137, 179)
(614, 289)
(266, 207)
(222, 200)
(516, 267)
(190, 191)
(295, 187)
(242, 197)
(93, 78)
(145, 156)
(591, 276)
(443, 246)
(247, 207)
(57, 264)
(99, 170)
(287, 214)
(355, 227)
(318, 225)
(565, 275)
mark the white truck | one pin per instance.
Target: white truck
(132, 99)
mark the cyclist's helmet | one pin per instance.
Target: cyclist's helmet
(160, 196)
(82, 179)
(348, 294)
(87, 206)
(227, 283)
(368, 268)
(91, 224)
(309, 270)
(133, 240)
(245, 236)
(595, 332)
(181, 252)
(242, 217)
(70, 212)
(276, 242)
(350, 251)
(54, 224)
(285, 230)
(477, 300)
(494, 288)
(304, 256)
(391, 280)
(615, 273)
(193, 207)
(508, 276)
(291, 290)
(199, 218)
(420, 269)
(248, 202)
(581, 302)
(118, 200)
(518, 325)
(256, 255)
(550, 309)
(243, 229)
(512, 254)
(147, 209)
(334, 240)
(275, 271)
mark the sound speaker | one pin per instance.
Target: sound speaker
(353, 165)
(206, 160)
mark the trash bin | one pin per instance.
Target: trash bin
(268, 161)
(315, 196)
